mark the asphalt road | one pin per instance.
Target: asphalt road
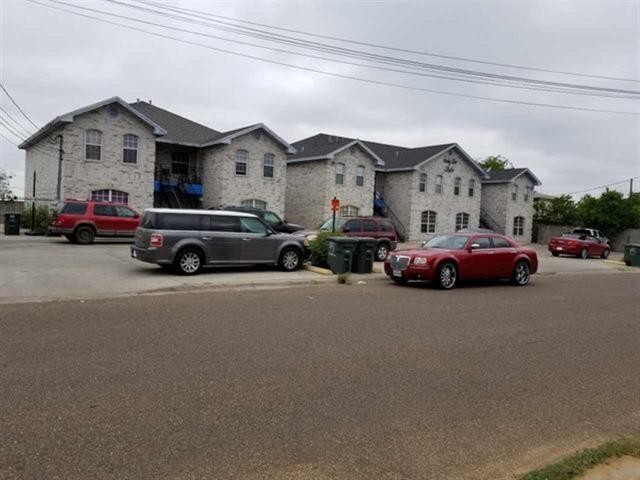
(347, 382)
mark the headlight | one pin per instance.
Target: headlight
(306, 242)
(420, 261)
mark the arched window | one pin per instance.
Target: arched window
(339, 173)
(359, 175)
(428, 221)
(112, 196)
(457, 183)
(422, 183)
(93, 144)
(349, 211)
(472, 187)
(462, 221)
(439, 184)
(130, 149)
(242, 159)
(254, 203)
(268, 165)
(518, 226)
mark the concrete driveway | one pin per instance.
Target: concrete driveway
(51, 268)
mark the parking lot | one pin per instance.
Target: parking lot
(51, 268)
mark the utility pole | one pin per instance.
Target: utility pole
(33, 204)
(59, 186)
(630, 187)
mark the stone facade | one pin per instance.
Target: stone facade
(312, 184)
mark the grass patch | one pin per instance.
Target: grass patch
(570, 467)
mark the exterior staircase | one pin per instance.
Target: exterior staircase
(380, 208)
(487, 221)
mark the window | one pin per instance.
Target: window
(456, 185)
(179, 221)
(104, 211)
(74, 208)
(518, 226)
(252, 225)
(353, 226)
(359, 175)
(124, 212)
(339, 173)
(369, 226)
(385, 226)
(422, 183)
(527, 193)
(462, 221)
(481, 242)
(428, 221)
(225, 223)
(93, 144)
(242, 159)
(272, 219)
(130, 149)
(472, 187)
(112, 196)
(268, 165)
(514, 192)
(499, 242)
(180, 163)
(439, 184)
(349, 211)
(254, 203)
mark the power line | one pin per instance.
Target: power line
(600, 187)
(16, 122)
(397, 49)
(333, 74)
(18, 106)
(255, 33)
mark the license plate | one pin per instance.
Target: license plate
(397, 273)
(558, 248)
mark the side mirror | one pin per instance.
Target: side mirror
(136, 215)
(474, 246)
(346, 229)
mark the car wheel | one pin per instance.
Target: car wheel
(399, 280)
(188, 262)
(290, 259)
(447, 275)
(84, 235)
(70, 237)
(584, 254)
(606, 253)
(382, 251)
(521, 274)
(555, 254)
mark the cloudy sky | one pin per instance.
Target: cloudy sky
(53, 62)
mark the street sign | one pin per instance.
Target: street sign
(335, 204)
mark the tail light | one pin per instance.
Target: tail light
(156, 240)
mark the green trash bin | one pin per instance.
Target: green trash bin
(363, 258)
(632, 254)
(12, 223)
(340, 253)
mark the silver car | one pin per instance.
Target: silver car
(188, 240)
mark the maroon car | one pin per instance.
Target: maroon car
(579, 245)
(446, 259)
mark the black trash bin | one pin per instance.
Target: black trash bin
(340, 253)
(12, 223)
(632, 254)
(363, 258)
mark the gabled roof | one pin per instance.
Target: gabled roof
(323, 146)
(70, 116)
(509, 175)
(227, 137)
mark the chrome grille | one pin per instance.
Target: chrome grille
(399, 262)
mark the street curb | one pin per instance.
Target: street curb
(320, 270)
(616, 262)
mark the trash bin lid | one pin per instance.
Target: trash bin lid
(632, 245)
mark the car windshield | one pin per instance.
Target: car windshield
(448, 242)
(327, 225)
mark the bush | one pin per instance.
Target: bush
(44, 215)
(319, 247)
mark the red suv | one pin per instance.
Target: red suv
(379, 228)
(82, 221)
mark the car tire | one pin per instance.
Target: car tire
(382, 251)
(188, 261)
(84, 235)
(290, 259)
(399, 280)
(584, 254)
(521, 273)
(70, 237)
(555, 254)
(606, 253)
(447, 276)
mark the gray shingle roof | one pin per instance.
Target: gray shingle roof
(318, 146)
(504, 175)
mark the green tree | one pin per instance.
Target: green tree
(495, 163)
(5, 189)
(557, 211)
(611, 212)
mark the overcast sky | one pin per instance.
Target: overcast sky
(53, 62)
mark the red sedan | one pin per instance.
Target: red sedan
(577, 245)
(446, 259)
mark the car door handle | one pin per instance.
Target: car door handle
(206, 238)
(246, 239)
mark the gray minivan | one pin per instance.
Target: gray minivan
(187, 240)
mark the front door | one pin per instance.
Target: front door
(479, 263)
(258, 244)
(222, 237)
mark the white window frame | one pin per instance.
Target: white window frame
(514, 192)
(527, 193)
(422, 183)
(92, 143)
(457, 185)
(254, 203)
(428, 221)
(349, 211)
(360, 176)
(518, 226)
(472, 187)
(269, 165)
(439, 181)
(131, 147)
(112, 196)
(340, 169)
(242, 158)
(462, 220)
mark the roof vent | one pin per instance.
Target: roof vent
(302, 148)
(150, 102)
(397, 153)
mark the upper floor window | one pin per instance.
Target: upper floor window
(527, 193)
(349, 211)
(254, 203)
(439, 184)
(518, 226)
(130, 149)
(93, 144)
(180, 163)
(112, 196)
(268, 165)
(428, 221)
(422, 183)
(472, 187)
(514, 192)
(462, 221)
(242, 159)
(456, 185)
(339, 173)
(359, 175)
